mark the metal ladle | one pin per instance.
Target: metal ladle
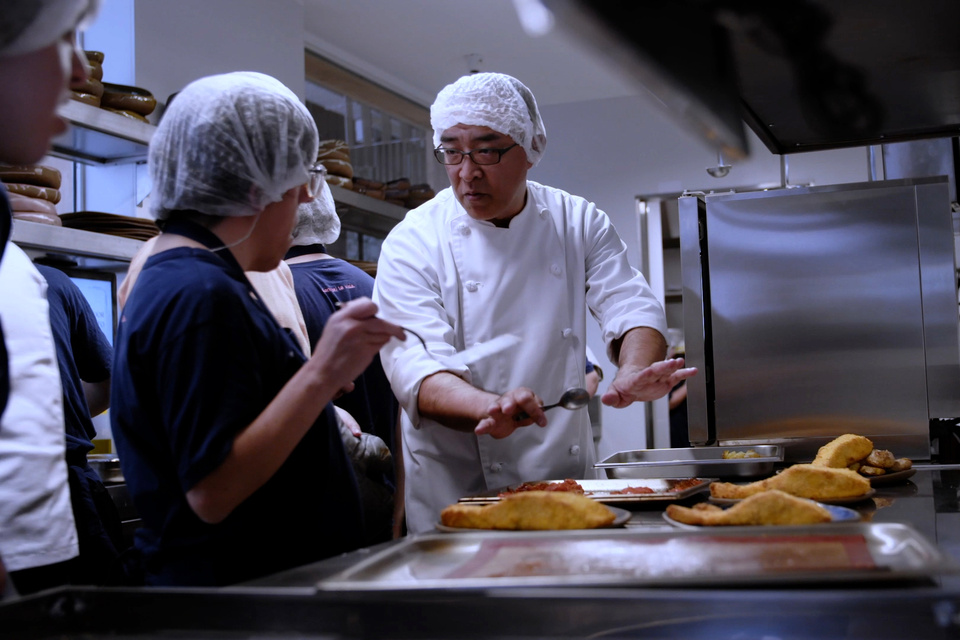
(575, 398)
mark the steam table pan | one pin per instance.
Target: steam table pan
(692, 462)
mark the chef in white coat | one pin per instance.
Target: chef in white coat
(499, 254)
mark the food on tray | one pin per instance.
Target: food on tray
(858, 454)
(766, 508)
(803, 480)
(843, 451)
(531, 510)
(567, 485)
(740, 455)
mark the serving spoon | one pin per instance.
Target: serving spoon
(575, 398)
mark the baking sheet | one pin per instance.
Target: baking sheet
(622, 516)
(603, 490)
(863, 552)
(691, 462)
(838, 515)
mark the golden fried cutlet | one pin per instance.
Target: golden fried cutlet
(843, 451)
(769, 507)
(534, 510)
(803, 480)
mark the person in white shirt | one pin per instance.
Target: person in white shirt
(498, 254)
(39, 60)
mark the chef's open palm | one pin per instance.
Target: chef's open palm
(636, 384)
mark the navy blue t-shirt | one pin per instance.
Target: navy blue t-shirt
(320, 284)
(198, 357)
(83, 353)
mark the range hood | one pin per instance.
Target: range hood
(804, 75)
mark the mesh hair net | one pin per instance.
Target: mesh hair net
(229, 145)
(493, 100)
(317, 220)
(31, 25)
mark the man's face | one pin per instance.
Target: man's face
(493, 192)
(37, 82)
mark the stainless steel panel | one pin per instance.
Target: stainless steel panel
(691, 209)
(816, 316)
(691, 462)
(939, 289)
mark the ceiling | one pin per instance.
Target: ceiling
(804, 74)
(416, 47)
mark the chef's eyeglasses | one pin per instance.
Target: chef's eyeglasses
(479, 156)
(317, 174)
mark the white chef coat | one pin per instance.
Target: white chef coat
(457, 282)
(36, 519)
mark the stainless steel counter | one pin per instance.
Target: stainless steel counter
(287, 605)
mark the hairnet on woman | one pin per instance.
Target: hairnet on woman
(223, 426)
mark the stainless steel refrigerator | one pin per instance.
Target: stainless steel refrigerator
(817, 311)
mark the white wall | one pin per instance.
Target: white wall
(610, 151)
(178, 41)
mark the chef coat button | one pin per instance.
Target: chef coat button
(566, 333)
(556, 270)
(472, 286)
(543, 213)
(575, 450)
(495, 467)
(464, 230)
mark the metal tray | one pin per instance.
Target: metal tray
(864, 552)
(691, 462)
(604, 490)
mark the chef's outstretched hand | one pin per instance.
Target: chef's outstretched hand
(519, 407)
(636, 384)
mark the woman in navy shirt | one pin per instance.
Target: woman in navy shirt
(226, 434)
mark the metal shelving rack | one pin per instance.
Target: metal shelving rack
(101, 137)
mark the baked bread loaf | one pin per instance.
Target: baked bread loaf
(340, 181)
(92, 86)
(338, 168)
(25, 204)
(37, 174)
(843, 451)
(531, 510)
(33, 191)
(130, 114)
(124, 98)
(399, 183)
(85, 98)
(96, 69)
(803, 480)
(333, 150)
(41, 218)
(366, 183)
(766, 508)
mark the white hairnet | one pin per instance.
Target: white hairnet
(31, 25)
(229, 145)
(493, 100)
(317, 220)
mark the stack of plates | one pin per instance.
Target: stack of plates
(112, 224)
